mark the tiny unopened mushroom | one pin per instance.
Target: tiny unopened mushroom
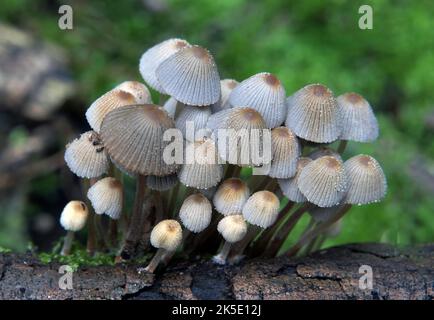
(166, 236)
(152, 58)
(265, 93)
(313, 114)
(289, 186)
(73, 218)
(231, 196)
(86, 156)
(201, 168)
(358, 120)
(261, 209)
(190, 76)
(233, 228)
(366, 180)
(106, 196)
(323, 181)
(226, 86)
(285, 150)
(195, 213)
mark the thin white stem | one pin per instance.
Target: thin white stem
(155, 260)
(67, 244)
(222, 256)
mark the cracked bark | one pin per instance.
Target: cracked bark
(406, 273)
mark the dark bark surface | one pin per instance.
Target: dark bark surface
(328, 274)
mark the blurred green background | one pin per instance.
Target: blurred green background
(301, 42)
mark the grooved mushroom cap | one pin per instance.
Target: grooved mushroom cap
(243, 137)
(133, 137)
(323, 181)
(324, 151)
(170, 106)
(162, 183)
(264, 93)
(366, 180)
(261, 209)
(190, 76)
(358, 120)
(195, 212)
(313, 114)
(232, 228)
(74, 216)
(166, 234)
(86, 156)
(201, 168)
(197, 118)
(231, 196)
(154, 56)
(226, 87)
(285, 150)
(106, 196)
(127, 93)
(289, 186)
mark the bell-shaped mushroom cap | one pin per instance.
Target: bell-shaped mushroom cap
(170, 106)
(324, 151)
(226, 87)
(231, 196)
(313, 114)
(239, 144)
(285, 150)
(232, 228)
(153, 57)
(323, 181)
(289, 186)
(106, 196)
(195, 212)
(201, 168)
(74, 216)
(196, 118)
(86, 156)
(190, 76)
(114, 99)
(358, 120)
(264, 93)
(139, 91)
(261, 209)
(133, 137)
(366, 180)
(162, 183)
(166, 234)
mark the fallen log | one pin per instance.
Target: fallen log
(333, 273)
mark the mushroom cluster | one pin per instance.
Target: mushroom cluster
(195, 157)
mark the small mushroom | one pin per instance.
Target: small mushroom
(73, 218)
(231, 196)
(195, 213)
(233, 228)
(289, 186)
(226, 87)
(261, 209)
(106, 196)
(166, 236)
(285, 150)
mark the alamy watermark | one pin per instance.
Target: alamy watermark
(366, 280)
(366, 21)
(66, 280)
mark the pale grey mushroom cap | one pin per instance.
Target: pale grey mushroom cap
(231, 196)
(313, 114)
(358, 120)
(106, 196)
(366, 180)
(133, 137)
(154, 56)
(166, 234)
(195, 213)
(201, 168)
(265, 93)
(86, 156)
(162, 183)
(232, 228)
(190, 76)
(74, 216)
(289, 186)
(226, 87)
(261, 209)
(285, 150)
(194, 118)
(323, 181)
(139, 91)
